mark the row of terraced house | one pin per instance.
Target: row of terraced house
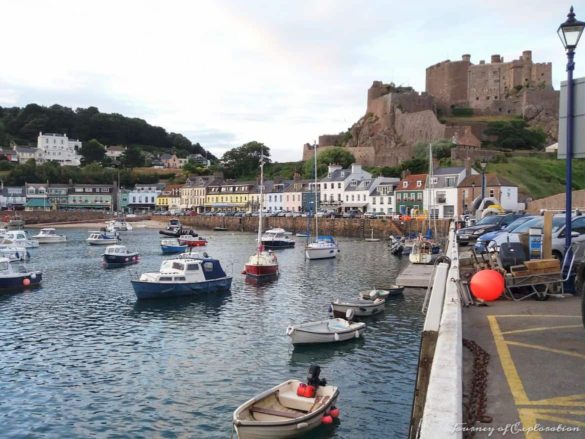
(447, 193)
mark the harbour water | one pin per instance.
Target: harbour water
(80, 357)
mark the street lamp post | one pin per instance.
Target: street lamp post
(483, 165)
(569, 32)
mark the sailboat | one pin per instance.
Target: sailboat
(372, 239)
(323, 247)
(262, 264)
(422, 248)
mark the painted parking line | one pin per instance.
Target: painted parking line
(530, 416)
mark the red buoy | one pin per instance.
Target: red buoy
(487, 285)
(334, 412)
(327, 420)
(26, 282)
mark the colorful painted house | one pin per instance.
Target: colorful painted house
(410, 194)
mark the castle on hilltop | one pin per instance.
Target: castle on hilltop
(397, 118)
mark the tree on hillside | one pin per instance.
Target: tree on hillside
(244, 160)
(337, 155)
(514, 134)
(92, 151)
(132, 157)
(441, 149)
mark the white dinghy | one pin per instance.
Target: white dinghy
(326, 331)
(288, 410)
(377, 293)
(360, 307)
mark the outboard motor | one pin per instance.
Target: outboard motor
(349, 315)
(313, 377)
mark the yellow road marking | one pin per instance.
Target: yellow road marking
(569, 400)
(514, 381)
(542, 328)
(535, 315)
(546, 349)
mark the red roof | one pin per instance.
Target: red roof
(412, 182)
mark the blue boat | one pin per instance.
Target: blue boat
(19, 278)
(172, 246)
(184, 275)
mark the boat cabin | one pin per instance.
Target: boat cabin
(119, 250)
(187, 269)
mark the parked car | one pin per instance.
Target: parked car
(558, 233)
(486, 224)
(484, 240)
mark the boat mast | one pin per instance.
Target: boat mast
(315, 196)
(261, 203)
(430, 188)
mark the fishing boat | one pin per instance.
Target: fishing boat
(288, 410)
(192, 241)
(11, 279)
(277, 239)
(102, 237)
(360, 307)
(371, 238)
(323, 247)
(19, 238)
(175, 229)
(49, 236)
(119, 256)
(394, 290)
(183, 276)
(326, 331)
(170, 246)
(263, 263)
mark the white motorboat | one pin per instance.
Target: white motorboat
(118, 225)
(49, 236)
(361, 308)
(102, 237)
(277, 239)
(285, 412)
(17, 279)
(14, 254)
(422, 252)
(377, 293)
(326, 331)
(18, 238)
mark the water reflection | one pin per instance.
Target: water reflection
(191, 306)
(323, 354)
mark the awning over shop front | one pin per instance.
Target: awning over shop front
(221, 205)
(38, 202)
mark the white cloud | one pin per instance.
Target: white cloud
(280, 72)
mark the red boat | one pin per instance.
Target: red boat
(192, 241)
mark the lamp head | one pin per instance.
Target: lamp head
(570, 31)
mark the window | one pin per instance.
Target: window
(405, 184)
(347, 198)
(338, 185)
(451, 181)
(419, 196)
(389, 200)
(441, 197)
(338, 197)
(434, 180)
(374, 200)
(324, 185)
(352, 198)
(418, 183)
(492, 193)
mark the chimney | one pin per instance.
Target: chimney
(296, 176)
(467, 166)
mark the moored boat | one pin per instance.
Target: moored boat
(118, 225)
(18, 238)
(183, 276)
(287, 410)
(421, 252)
(192, 241)
(119, 256)
(170, 246)
(49, 235)
(14, 254)
(381, 293)
(360, 307)
(276, 239)
(14, 280)
(324, 247)
(326, 331)
(102, 237)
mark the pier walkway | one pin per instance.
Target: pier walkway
(535, 383)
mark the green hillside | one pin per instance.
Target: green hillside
(539, 177)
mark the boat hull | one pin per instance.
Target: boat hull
(161, 290)
(321, 253)
(102, 241)
(327, 331)
(50, 240)
(115, 261)
(169, 249)
(198, 243)
(360, 309)
(276, 245)
(15, 281)
(255, 270)
(418, 258)
(280, 429)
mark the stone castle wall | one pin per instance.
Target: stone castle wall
(447, 82)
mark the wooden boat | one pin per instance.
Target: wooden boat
(171, 246)
(361, 308)
(280, 413)
(325, 331)
(49, 235)
(119, 256)
(376, 293)
(192, 241)
(183, 276)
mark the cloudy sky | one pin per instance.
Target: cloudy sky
(225, 72)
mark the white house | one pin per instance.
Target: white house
(494, 187)
(274, 195)
(58, 148)
(337, 181)
(115, 151)
(381, 197)
(441, 193)
(143, 196)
